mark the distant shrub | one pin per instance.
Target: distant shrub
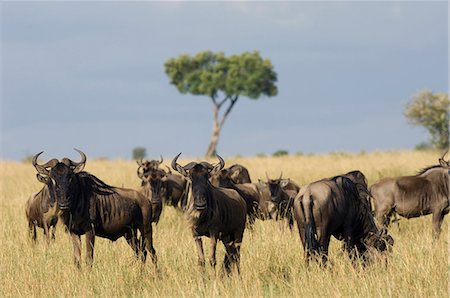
(299, 153)
(261, 155)
(280, 153)
(423, 146)
(139, 153)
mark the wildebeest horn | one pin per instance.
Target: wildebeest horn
(140, 162)
(442, 157)
(221, 161)
(78, 166)
(42, 169)
(267, 176)
(168, 168)
(160, 162)
(140, 173)
(174, 162)
(281, 175)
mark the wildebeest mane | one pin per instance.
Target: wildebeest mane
(353, 192)
(422, 171)
(96, 185)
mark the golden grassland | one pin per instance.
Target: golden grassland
(272, 257)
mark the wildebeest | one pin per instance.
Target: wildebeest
(41, 208)
(152, 188)
(215, 212)
(237, 173)
(90, 207)
(248, 191)
(335, 207)
(414, 196)
(174, 187)
(282, 194)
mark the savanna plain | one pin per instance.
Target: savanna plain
(271, 258)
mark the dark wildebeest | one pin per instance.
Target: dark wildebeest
(414, 196)
(282, 194)
(174, 186)
(41, 208)
(335, 207)
(248, 191)
(238, 173)
(90, 207)
(215, 212)
(151, 187)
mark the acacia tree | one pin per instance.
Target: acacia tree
(432, 112)
(223, 79)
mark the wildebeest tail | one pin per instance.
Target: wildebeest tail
(311, 243)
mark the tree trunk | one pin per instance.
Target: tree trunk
(212, 148)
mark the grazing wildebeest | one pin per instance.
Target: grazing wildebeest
(175, 186)
(90, 207)
(282, 193)
(238, 173)
(335, 207)
(41, 208)
(414, 196)
(215, 212)
(248, 191)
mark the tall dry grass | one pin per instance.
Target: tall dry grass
(272, 257)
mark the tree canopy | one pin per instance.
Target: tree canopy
(223, 79)
(431, 110)
(208, 73)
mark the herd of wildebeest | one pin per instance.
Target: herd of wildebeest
(220, 203)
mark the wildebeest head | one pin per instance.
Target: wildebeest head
(275, 187)
(199, 174)
(381, 241)
(221, 178)
(146, 166)
(61, 174)
(157, 180)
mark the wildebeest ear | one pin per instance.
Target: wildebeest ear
(284, 183)
(42, 178)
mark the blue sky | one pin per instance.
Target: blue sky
(91, 75)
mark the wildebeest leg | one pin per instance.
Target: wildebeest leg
(201, 255)
(53, 232)
(76, 241)
(227, 261)
(32, 231)
(438, 217)
(90, 242)
(46, 233)
(148, 246)
(132, 241)
(396, 220)
(324, 242)
(212, 259)
(237, 256)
